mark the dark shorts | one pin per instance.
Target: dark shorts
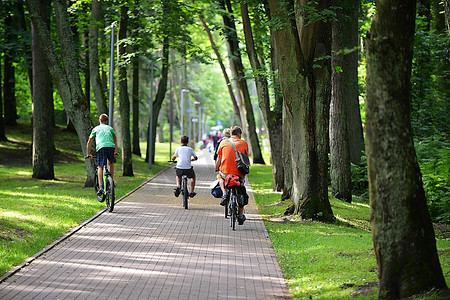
(189, 172)
(104, 154)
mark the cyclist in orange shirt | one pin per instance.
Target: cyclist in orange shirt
(226, 163)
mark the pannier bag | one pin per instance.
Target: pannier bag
(232, 180)
(216, 191)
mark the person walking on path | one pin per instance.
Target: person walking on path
(226, 164)
(226, 135)
(105, 146)
(185, 154)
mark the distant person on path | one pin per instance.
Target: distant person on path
(226, 164)
(105, 146)
(185, 154)
(226, 135)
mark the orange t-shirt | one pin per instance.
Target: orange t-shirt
(226, 150)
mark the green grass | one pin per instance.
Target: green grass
(34, 213)
(326, 261)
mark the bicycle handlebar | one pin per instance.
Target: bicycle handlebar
(95, 155)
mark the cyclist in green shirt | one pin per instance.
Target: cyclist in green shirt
(106, 147)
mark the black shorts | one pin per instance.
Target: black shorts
(189, 172)
(105, 153)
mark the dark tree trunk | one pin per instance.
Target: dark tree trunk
(94, 68)
(247, 115)
(271, 119)
(67, 79)
(2, 122)
(136, 146)
(43, 146)
(161, 92)
(306, 91)
(9, 97)
(124, 101)
(447, 14)
(224, 70)
(342, 89)
(403, 235)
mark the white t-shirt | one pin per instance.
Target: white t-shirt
(184, 154)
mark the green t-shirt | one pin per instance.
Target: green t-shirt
(104, 136)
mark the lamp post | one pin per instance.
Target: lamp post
(111, 77)
(150, 121)
(199, 119)
(182, 112)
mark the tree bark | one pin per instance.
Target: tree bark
(247, 115)
(306, 91)
(136, 146)
(272, 119)
(94, 68)
(67, 79)
(403, 234)
(343, 93)
(42, 158)
(124, 101)
(2, 123)
(222, 67)
(447, 14)
(9, 97)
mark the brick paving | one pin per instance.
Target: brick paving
(150, 247)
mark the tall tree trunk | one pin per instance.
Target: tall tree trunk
(344, 91)
(43, 125)
(247, 115)
(306, 91)
(67, 79)
(136, 146)
(94, 68)
(2, 123)
(222, 67)
(9, 97)
(161, 92)
(447, 14)
(272, 119)
(403, 234)
(124, 101)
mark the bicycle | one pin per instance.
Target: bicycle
(109, 195)
(183, 189)
(232, 208)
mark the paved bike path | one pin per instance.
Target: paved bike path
(150, 247)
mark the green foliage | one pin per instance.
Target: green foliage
(434, 160)
(360, 180)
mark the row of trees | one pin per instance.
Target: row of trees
(303, 58)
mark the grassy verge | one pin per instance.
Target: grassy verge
(34, 213)
(326, 261)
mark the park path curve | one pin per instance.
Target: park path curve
(150, 247)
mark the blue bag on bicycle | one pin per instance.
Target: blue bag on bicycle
(216, 191)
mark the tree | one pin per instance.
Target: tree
(344, 92)
(135, 67)
(272, 118)
(302, 43)
(67, 78)
(237, 68)
(43, 123)
(94, 69)
(403, 235)
(2, 123)
(447, 14)
(124, 101)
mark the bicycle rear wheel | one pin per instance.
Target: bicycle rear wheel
(110, 195)
(185, 192)
(233, 217)
(102, 198)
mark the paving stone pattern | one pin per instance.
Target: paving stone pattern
(150, 247)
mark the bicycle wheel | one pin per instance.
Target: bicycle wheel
(102, 198)
(233, 207)
(185, 192)
(110, 195)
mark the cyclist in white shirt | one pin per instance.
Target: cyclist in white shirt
(185, 155)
